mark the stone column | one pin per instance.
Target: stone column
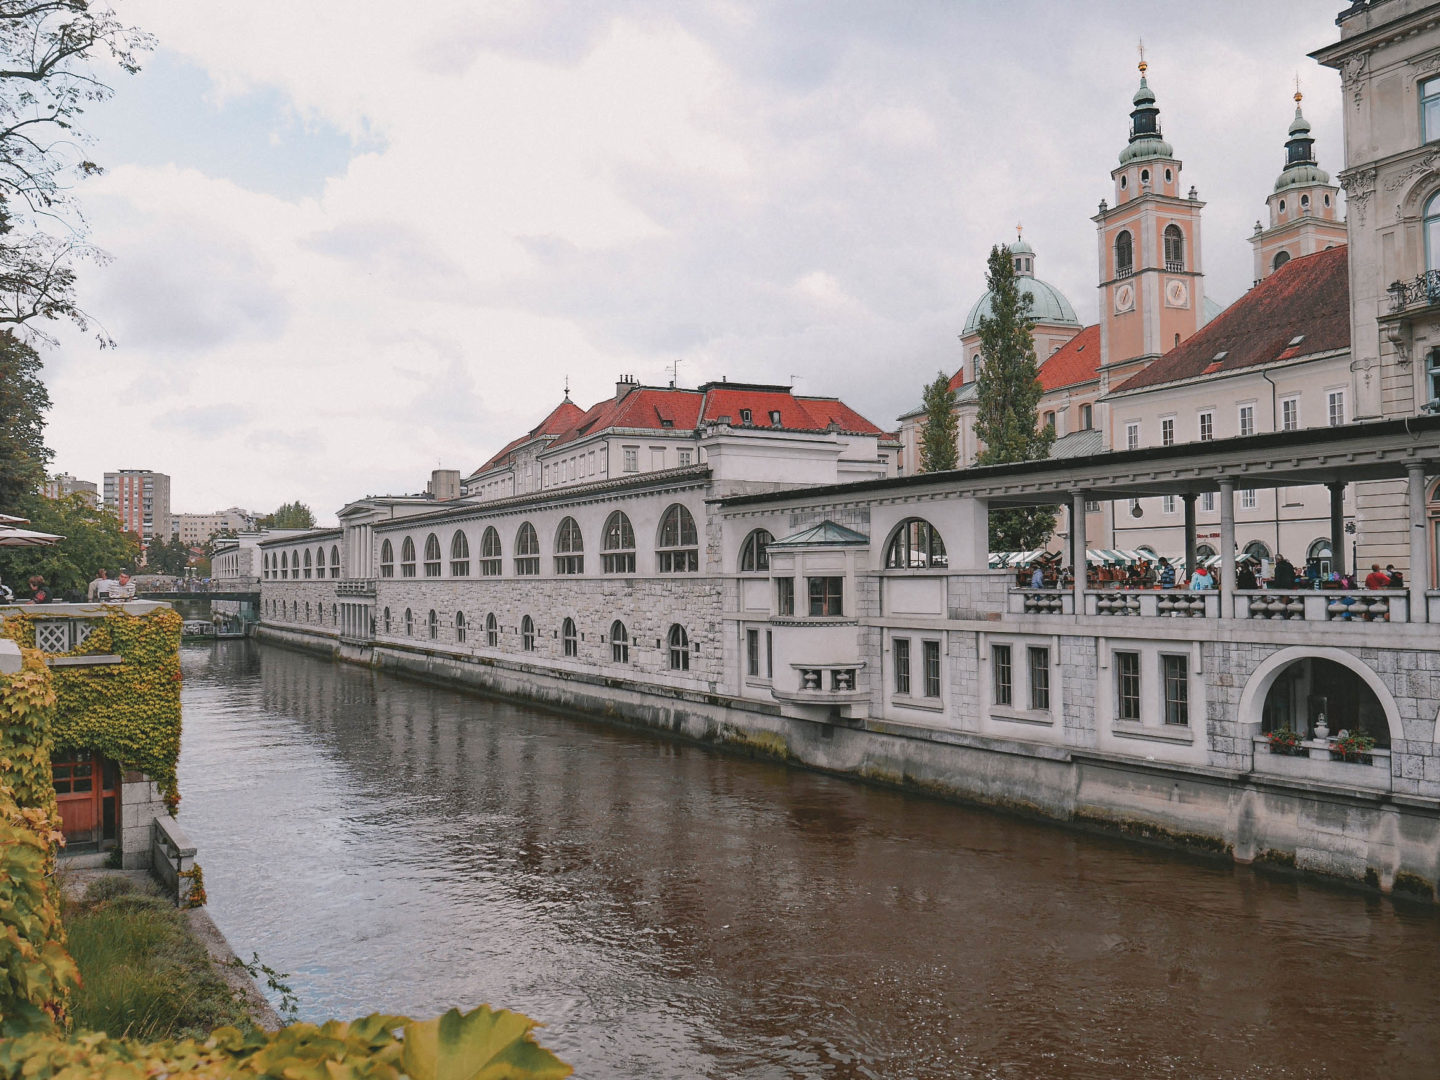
(1077, 549)
(1227, 548)
(1337, 527)
(1189, 499)
(1419, 550)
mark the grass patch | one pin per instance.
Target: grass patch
(143, 975)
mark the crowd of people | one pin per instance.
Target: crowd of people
(1049, 571)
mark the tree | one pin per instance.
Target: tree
(938, 442)
(48, 53)
(23, 401)
(93, 538)
(1008, 391)
(292, 515)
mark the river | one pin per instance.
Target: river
(668, 911)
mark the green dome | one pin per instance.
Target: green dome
(1021, 247)
(1049, 306)
(1141, 149)
(1301, 176)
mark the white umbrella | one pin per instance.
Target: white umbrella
(10, 537)
(6, 519)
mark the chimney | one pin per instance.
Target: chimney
(444, 484)
(623, 386)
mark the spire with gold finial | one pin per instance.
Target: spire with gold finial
(1146, 140)
(1301, 167)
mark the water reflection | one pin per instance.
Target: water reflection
(669, 912)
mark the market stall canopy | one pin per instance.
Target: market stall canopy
(13, 537)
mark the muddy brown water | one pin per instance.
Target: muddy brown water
(669, 911)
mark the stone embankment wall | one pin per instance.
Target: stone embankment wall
(1388, 839)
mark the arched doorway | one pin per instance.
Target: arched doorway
(1310, 688)
(1321, 555)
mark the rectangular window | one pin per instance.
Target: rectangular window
(1127, 686)
(632, 459)
(1092, 507)
(1167, 504)
(769, 654)
(1132, 436)
(1207, 426)
(1430, 110)
(685, 457)
(1247, 499)
(657, 458)
(1177, 689)
(1050, 420)
(1087, 417)
(1335, 407)
(752, 653)
(1039, 678)
(1290, 414)
(785, 596)
(1247, 420)
(825, 596)
(1167, 431)
(932, 668)
(1003, 674)
(902, 665)
(1432, 373)
(1207, 501)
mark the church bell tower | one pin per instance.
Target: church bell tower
(1152, 284)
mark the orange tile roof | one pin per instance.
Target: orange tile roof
(1307, 298)
(1075, 362)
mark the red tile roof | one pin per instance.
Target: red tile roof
(656, 409)
(1307, 298)
(1075, 362)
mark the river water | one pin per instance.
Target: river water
(668, 911)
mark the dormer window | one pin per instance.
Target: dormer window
(667, 423)
(745, 416)
(774, 417)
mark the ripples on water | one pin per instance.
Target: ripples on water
(672, 912)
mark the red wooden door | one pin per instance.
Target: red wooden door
(86, 789)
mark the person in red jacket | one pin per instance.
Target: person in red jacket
(1377, 578)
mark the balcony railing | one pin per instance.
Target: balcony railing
(1326, 605)
(1175, 266)
(826, 684)
(1423, 291)
(355, 587)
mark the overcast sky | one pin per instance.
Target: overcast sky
(350, 246)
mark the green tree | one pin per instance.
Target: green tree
(939, 441)
(291, 515)
(23, 401)
(48, 55)
(1008, 391)
(93, 539)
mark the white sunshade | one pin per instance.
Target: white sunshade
(12, 537)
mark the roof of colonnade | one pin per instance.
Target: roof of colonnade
(1380, 450)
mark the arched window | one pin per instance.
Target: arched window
(284, 564)
(307, 562)
(492, 631)
(387, 560)
(915, 545)
(460, 627)
(1124, 255)
(1322, 555)
(1257, 549)
(527, 634)
(320, 562)
(1432, 232)
(432, 556)
(409, 623)
(568, 638)
(1312, 688)
(459, 554)
(527, 551)
(569, 548)
(679, 648)
(335, 560)
(294, 610)
(619, 643)
(1203, 552)
(407, 558)
(490, 552)
(432, 623)
(617, 545)
(1281, 258)
(679, 549)
(387, 620)
(1174, 248)
(307, 610)
(334, 614)
(753, 556)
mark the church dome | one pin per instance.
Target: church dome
(1049, 306)
(1146, 139)
(1301, 168)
